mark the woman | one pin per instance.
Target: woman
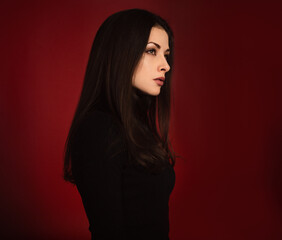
(118, 151)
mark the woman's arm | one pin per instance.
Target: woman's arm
(97, 173)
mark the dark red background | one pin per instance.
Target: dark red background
(227, 116)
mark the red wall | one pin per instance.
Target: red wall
(227, 118)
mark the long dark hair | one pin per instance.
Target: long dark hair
(117, 48)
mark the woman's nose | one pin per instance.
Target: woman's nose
(164, 66)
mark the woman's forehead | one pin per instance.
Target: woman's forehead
(158, 35)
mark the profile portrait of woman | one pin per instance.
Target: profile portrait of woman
(118, 151)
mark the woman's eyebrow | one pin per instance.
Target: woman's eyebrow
(158, 46)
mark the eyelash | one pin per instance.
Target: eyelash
(150, 52)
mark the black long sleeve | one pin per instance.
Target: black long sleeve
(122, 202)
(98, 174)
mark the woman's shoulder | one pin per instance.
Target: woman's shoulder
(99, 117)
(98, 120)
(99, 126)
(98, 140)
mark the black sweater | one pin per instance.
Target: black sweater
(121, 201)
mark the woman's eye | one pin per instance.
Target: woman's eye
(166, 57)
(151, 51)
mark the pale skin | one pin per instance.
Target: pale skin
(153, 63)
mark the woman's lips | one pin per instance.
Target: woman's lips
(159, 80)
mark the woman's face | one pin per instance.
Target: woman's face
(153, 64)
